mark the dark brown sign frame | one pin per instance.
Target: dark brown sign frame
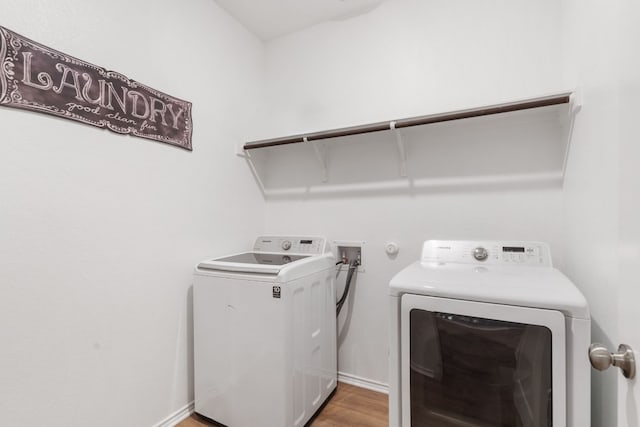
(37, 78)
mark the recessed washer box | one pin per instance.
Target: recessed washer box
(352, 249)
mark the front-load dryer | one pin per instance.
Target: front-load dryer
(487, 334)
(265, 333)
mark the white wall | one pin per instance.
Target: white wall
(407, 58)
(99, 232)
(600, 196)
(411, 57)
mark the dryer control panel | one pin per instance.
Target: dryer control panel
(291, 244)
(513, 253)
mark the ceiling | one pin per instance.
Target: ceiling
(269, 19)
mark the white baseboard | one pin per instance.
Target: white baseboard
(363, 382)
(180, 415)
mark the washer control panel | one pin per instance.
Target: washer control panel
(290, 244)
(487, 252)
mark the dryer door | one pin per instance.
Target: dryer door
(476, 364)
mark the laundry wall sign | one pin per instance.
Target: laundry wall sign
(37, 78)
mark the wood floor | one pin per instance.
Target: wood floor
(350, 406)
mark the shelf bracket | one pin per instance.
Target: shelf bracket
(575, 106)
(321, 155)
(402, 152)
(575, 101)
(254, 170)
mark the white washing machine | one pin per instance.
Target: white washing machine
(487, 334)
(265, 333)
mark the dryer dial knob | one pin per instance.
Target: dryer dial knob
(286, 245)
(480, 254)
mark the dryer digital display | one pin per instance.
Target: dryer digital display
(512, 249)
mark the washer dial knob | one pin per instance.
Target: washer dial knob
(480, 253)
(286, 245)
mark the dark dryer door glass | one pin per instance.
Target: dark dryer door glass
(473, 372)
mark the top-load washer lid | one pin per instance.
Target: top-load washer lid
(261, 258)
(510, 273)
(270, 255)
(252, 262)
